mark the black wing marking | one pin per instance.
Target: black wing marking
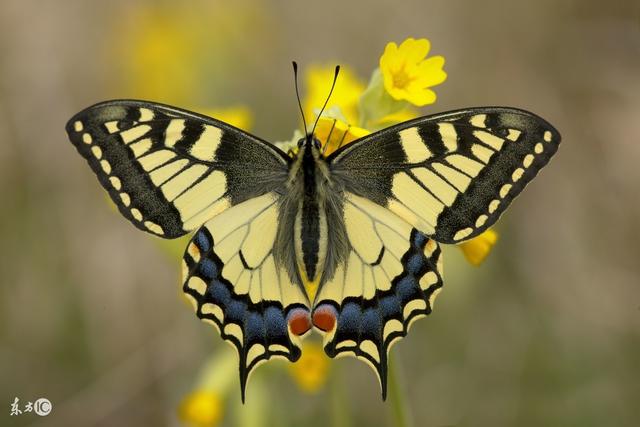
(169, 170)
(450, 175)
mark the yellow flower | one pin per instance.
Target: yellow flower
(477, 249)
(201, 409)
(395, 118)
(238, 116)
(179, 55)
(334, 133)
(345, 95)
(310, 371)
(408, 73)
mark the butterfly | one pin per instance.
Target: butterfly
(345, 244)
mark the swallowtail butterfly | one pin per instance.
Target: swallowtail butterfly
(345, 244)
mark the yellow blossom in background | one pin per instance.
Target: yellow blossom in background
(345, 95)
(201, 409)
(238, 116)
(310, 372)
(157, 54)
(334, 133)
(395, 118)
(180, 55)
(408, 73)
(476, 250)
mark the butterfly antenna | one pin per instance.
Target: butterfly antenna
(295, 77)
(333, 85)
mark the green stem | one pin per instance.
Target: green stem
(339, 404)
(397, 396)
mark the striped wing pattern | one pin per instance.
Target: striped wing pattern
(391, 278)
(230, 275)
(169, 170)
(450, 175)
(442, 178)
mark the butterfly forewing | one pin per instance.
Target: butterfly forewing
(170, 170)
(450, 175)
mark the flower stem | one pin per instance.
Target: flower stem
(339, 404)
(397, 396)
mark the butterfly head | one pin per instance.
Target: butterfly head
(310, 142)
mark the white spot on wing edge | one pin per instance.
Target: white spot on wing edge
(115, 181)
(528, 160)
(152, 226)
(505, 190)
(547, 136)
(126, 200)
(461, 234)
(494, 205)
(97, 152)
(481, 220)
(136, 214)
(106, 167)
(517, 174)
(78, 126)
(86, 138)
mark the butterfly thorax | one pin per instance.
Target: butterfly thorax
(310, 174)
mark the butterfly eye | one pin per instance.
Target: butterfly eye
(316, 143)
(300, 143)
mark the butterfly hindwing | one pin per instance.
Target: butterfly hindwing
(169, 170)
(230, 273)
(390, 277)
(450, 175)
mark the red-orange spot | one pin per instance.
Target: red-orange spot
(324, 317)
(299, 321)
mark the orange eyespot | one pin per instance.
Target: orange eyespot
(299, 321)
(324, 317)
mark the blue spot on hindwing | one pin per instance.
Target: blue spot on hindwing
(414, 264)
(208, 269)
(275, 325)
(407, 289)
(371, 326)
(202, 241)
(254, 328)
(419, 239)
(219, 293)
(390, 307)
(349, 319)
(235, 312)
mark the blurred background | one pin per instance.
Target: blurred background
(545, 332)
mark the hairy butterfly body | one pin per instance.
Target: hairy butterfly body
(345, 244)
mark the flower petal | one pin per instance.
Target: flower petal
(407, 72)
(477, 249)
(415, 50)
(420, 97)
(430, 72)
